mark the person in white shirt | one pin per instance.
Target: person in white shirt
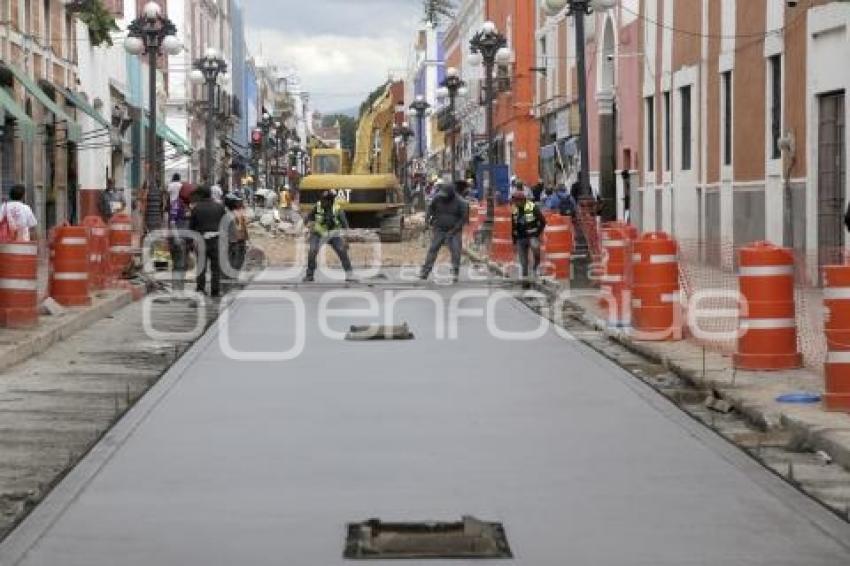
(217, 193)
(18, 214)
(174, 189)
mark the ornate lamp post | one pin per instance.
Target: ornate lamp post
(489, 47)
(151, 33)
(452, 87)
(418, 109)
(579, 9)
(207, 70)
(266, 124)
(402, 135)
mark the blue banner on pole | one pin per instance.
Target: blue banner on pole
(500, 178)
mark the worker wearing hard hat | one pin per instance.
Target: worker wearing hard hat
(527, 225)
(326, 222)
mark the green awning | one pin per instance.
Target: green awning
(170, 136)
(24, 123)
(74, 131)
(81, 103)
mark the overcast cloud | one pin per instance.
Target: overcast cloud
(341, 49)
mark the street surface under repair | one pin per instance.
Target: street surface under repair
(265, 462)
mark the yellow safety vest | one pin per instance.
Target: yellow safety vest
(532, 227)
(321, 226)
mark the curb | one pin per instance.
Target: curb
(40, 339)
(834, 441)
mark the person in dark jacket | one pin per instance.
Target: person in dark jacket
(537, 190)
(446, 216)
(110, 202)
(325, 222)
(206, 220)
(527, 225)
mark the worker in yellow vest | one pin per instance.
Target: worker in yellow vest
(326, 222)
(527, 225)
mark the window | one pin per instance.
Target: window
(650, 133)
(775, 104)
(45, 14)
(28, 16)
(685, 95)
(667, 131)
(726, 84)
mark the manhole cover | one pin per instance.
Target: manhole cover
(379, 332)
(468, 538)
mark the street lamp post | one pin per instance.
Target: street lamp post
(579, 9)
(402, 134)
(490, 47)
(452, 87)
(266, 126)
(149, 34)
(418, 108)
(207, 70)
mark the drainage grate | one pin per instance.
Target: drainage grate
(469, 538)
(379, 332)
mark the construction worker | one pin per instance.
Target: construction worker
(527, 225)
(325, 223)
(447, 213)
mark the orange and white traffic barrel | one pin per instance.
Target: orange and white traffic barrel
(614, 281)
(768, 329)
(120, 243)
(836, 299)
(656, 300)
(99, 266)
(18, 284)
(558, 243)
(69, 280)
(502, 246)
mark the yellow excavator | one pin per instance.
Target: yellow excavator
(369, 192)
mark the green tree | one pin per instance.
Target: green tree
(347, 127)
(100, 21)
(373, 96)
(435, 10)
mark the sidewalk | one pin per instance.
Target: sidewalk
(752, 394)
(17, 346)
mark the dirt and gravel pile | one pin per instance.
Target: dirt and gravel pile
(282, 240)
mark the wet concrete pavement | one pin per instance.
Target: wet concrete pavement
(264, 462)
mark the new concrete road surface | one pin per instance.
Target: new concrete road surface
(234, 462)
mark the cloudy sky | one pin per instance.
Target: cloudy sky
(342, 49)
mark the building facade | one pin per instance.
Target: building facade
(40, 135)
(742, 125)
(517, 131)
(426, 70)
(468, 142)
(613, 70)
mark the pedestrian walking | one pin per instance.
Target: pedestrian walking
(561, 202)
(537, 190)
(216, 191)
(527, 225)
(17, 221)
(179, 211)
(446, 216)
(237, 232)
(110, 203)
(173, 189)
(325, 223)
(206, 220)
